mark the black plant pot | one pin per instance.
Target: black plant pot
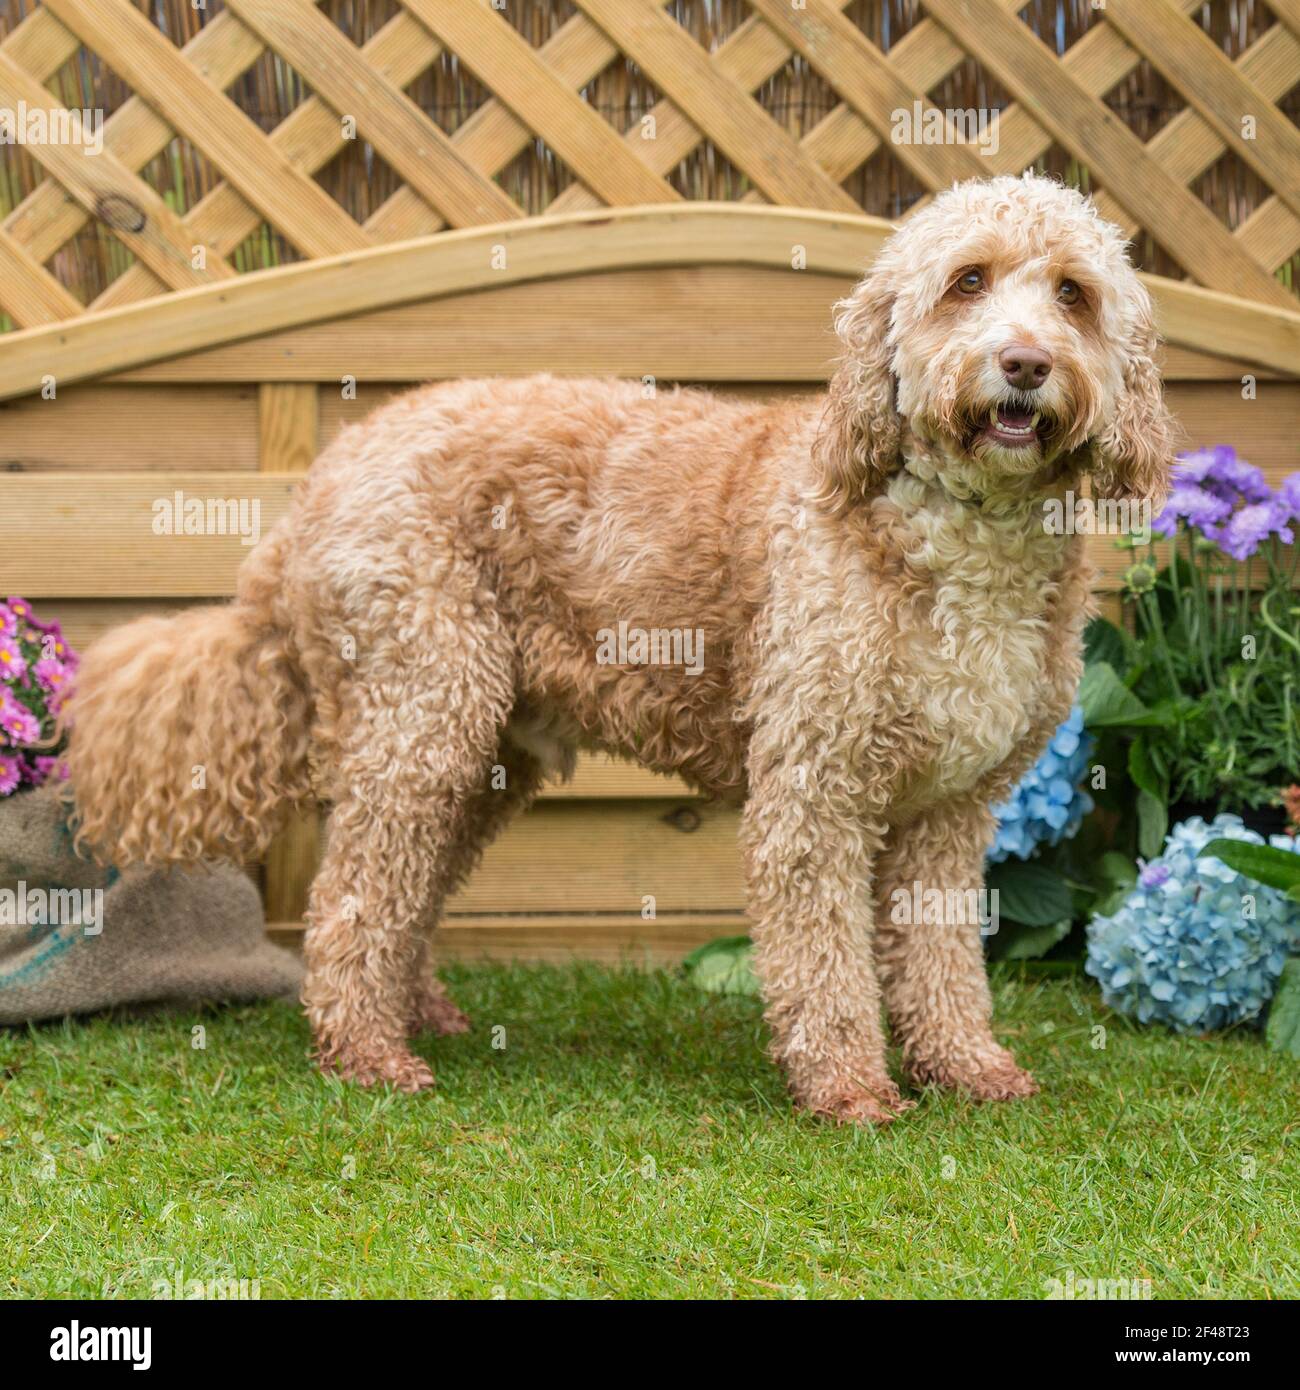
(1263, 820)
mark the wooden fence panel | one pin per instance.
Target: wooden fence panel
(184, 377)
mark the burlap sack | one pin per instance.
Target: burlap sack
(75, 938)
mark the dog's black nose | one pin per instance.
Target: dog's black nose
(1025, 367)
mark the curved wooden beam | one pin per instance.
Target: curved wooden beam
(450, 263)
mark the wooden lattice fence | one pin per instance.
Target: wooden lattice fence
(550, 217)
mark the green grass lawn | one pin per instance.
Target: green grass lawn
(630, 1140)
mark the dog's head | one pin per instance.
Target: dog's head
(1003, 326)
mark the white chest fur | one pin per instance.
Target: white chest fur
(973, 653)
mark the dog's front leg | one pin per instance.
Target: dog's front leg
(809, 857)
(935, 981)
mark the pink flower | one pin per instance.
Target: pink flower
(13, 665)
(10, 772)
(54, 647)
(8, 621)
(19, 723)
(44, 766)
(20, 608)
(52, 673)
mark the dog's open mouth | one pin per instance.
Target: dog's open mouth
(1014, 428)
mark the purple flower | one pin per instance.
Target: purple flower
(1201, 509)
(44, 766)
(1220, 472)
(1247, 529)
(13, 665)
(1154, 875)
(19, 724)
(10, 773)
(1288, 496)
(8, 621)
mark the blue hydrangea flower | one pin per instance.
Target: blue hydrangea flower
(1048, 805)
(1183, 949)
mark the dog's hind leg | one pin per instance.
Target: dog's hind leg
(933, 973)
(512, 782)
(420, 724)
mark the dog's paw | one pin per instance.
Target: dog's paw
(372, 1067)
(435, 1013)
(987, 1076)
(879, 1103)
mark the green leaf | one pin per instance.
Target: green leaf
(723, 966)
(1282, 1033)
(1117, 869)
(1029, 893)
(1103, 641)
(1153, 822)
(1109, 704)
(1275, 868)
(1015, 941)
(1143, 773)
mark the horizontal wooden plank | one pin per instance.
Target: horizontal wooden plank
(1185, 364)
(701, 323)
(574, 856)
(85, 619)
(337, 411)
(615, 940)
(131, 429)
(600, 775)
(79, 535)
(543, 249)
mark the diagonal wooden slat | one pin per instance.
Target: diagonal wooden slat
(1288, 11)
(1208, 79)
(1085, 126)
(1272, 232)
(107, 189)
(309, 136)
(402, 134)
(148, 62)
(508, 64)
(494, 135)
(29, 294)
(40, 44)
(736, 123)
(747, 57)
(1187, 146)
(134, 133)
(927, 55)
(861, 75)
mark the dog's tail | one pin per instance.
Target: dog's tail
(188, 737)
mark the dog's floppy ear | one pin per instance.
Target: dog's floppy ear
(858, 442)
(1134, 454)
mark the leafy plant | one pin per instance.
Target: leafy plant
(723, 966)
(1218, 643)
(36, 668)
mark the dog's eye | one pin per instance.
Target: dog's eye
(970, 281)
(1069, 292)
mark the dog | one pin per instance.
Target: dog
(890, 634)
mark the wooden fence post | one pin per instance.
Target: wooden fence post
(287, 430)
